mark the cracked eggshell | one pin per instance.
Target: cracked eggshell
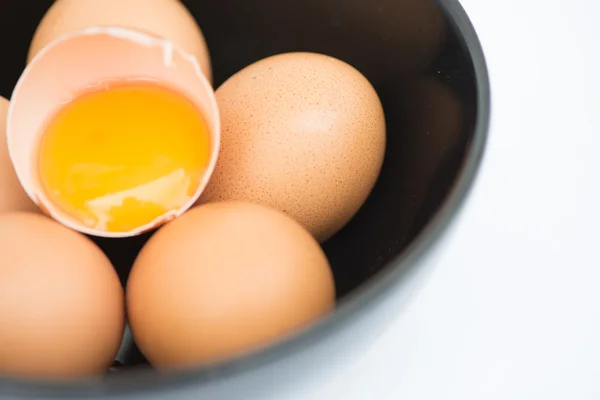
(168, 19)
(87, 58)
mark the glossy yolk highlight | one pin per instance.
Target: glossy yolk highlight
(118, 158)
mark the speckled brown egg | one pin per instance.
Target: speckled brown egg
(61, 302)
(303, 133)
(168, 19)
(223, 280)
(12, 194)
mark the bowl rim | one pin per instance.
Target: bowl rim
(375, 290)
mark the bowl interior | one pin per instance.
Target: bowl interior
(414, 57)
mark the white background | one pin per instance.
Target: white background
(512, 310)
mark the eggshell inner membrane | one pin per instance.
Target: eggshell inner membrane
(86, 59)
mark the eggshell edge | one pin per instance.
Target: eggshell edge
(141, 39)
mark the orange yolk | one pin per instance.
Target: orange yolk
(117, 159)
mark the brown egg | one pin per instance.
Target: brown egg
(61, 302)
(302, 133)
(168, 19)
(222, 280)
(12, 194)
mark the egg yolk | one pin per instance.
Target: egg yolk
(118, 158)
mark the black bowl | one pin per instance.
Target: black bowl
(424, 59)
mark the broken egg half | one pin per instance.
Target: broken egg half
(112, 131)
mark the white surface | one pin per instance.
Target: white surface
(513, 309)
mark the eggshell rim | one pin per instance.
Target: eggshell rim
(142, 39)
